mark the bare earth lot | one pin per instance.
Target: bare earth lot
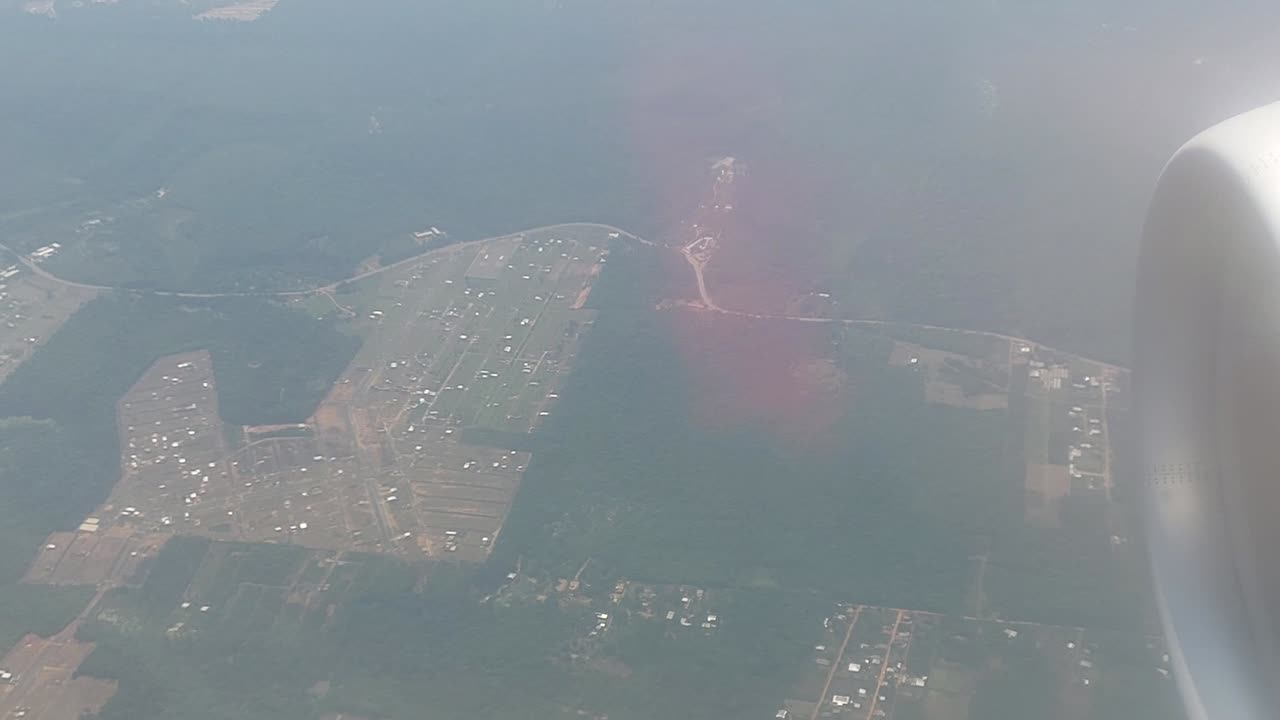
(85, 557)
(243, 11)
(43, 684)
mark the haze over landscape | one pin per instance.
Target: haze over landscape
(584, 359)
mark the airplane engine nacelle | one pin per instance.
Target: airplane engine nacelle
(1207, 392)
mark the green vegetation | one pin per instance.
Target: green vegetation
(884, 504)
(284, 162)
(1128, 685)
(284, 165)
(1021, 686)
(36, 476)
(40, 609)
(989, 671)
(969, 344)
(1135, 693)
(1067, 577)
(169, 574)
(891, 512)
(388, 650)
(738, 672)
(972, 379)
(273, 365)
(39, 480)
(59, 454)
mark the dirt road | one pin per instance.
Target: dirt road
(835, 666)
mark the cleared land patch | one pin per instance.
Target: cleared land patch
(43, 683)
(243, 11)
(89, 556)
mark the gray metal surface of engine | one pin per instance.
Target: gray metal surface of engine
(1207, 386)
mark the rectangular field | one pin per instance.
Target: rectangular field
(91, 557)
(43, 683)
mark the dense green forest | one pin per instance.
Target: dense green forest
(285, 163)
(37, 477)
(41, 609)
(890, 513)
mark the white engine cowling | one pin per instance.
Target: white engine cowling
(1207, 385)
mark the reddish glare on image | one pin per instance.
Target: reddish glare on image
(737, 221)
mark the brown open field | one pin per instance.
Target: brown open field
(43, 685)
(107, 557)
(329, 421)
(174, 454)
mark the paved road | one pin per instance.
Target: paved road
(710, 304)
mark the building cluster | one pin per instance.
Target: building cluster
(41, 254)
(424, 235)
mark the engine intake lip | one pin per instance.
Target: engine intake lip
(1207, 399)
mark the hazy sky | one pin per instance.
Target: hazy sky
(966, 152)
